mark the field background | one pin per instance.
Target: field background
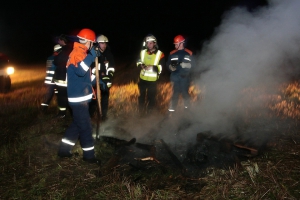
(30, 168)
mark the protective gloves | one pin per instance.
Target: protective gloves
(143, 66)
(185, 65)
(95, 52)
(172, 68)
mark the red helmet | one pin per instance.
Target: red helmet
(178, 39)
(87, 35)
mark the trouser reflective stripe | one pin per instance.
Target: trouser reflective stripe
(81, 128)
(87, 149)
(68, 142)
(62, 98)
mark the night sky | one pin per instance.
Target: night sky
(28, 30)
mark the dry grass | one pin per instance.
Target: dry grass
(30, 168)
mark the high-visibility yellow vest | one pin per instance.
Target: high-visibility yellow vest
(150, 60)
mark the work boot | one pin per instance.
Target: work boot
(92, 160)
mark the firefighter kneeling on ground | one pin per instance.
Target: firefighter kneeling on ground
(106, 69)
(180, 62)
(150, 63)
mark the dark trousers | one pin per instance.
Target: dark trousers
(147, 94)
(81, 129)
(181, 84)
(104, 104)
(49, 93)
(62, 99)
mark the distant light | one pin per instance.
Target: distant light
(10, 70)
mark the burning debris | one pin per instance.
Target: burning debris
(190, 159)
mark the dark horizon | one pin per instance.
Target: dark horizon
(27, 33)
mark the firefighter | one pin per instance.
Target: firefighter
(80, 93)
(150, 63)
(50, 85)
(60, 62)
(180, 62)
(106, 68)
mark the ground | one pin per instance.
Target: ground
(30, 168)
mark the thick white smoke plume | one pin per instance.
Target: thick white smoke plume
(248, 50)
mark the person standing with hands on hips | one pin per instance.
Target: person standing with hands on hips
(80, 93)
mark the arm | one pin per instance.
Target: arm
(161, 63)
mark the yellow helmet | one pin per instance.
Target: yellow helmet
(150, 38)
(56, 47)
(102, 38)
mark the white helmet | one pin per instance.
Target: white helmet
(150, 38)
(57, 47)
(102, 38)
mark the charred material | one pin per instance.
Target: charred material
(117, 142)
(173, 156)
(191, 159)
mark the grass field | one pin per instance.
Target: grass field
(30, 168)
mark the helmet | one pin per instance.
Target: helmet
(57, 47)
(102, 38)
(150, 38)
(179, 39)
(86, 35)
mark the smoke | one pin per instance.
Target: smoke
(248, 50)
(248, 56)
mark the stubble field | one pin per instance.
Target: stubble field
(30, 168)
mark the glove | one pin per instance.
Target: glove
(172, 68)
(142, 66)
(185, 65)
(95, 52)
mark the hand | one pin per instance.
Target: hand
(172, 68)
(95, 51)
(185, 65)
(143, 66)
